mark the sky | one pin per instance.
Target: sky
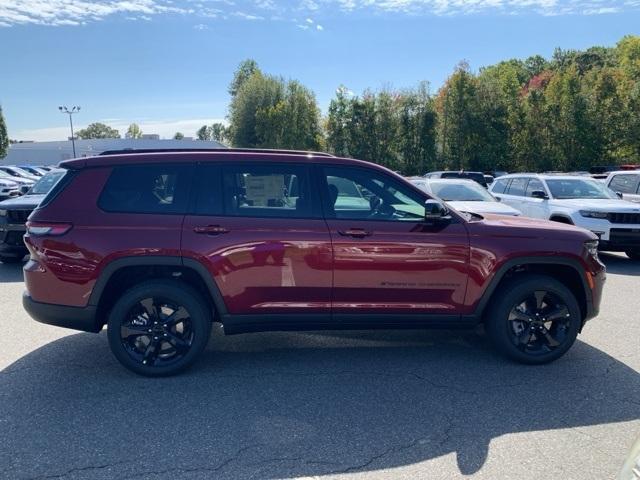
(166, 64)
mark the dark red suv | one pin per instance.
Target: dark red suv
(158, 245)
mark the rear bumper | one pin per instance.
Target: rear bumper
(76, 318)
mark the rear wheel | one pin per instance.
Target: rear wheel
(535, 320)
(158, 328)
(633, 254)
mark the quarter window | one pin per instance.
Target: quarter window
(161, 189)
(499, 186)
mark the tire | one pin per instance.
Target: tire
(633, 254)
(159, 342)
(515, 319)
(11, 259)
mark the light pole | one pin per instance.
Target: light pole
(73, 110)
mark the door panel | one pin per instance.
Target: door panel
(265, 251)
(386, 258)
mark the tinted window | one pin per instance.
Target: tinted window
(499, 186)
(369, 195)
(146, 189)
(534, 184)
(624, 183)
(209, 188)
(517, 186)
(266, 191)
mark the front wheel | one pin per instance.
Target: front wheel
(534, 320)
(158, 328)
(633, 254)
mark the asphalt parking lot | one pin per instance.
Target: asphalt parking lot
(429, 405)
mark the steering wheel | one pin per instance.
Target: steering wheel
(379, 209)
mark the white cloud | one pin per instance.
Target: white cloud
(201, 26)
(79, 12)
(164, 128)
(319, 28)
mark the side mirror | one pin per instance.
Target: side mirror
(435, 210)
(619, 194)
(539, 194)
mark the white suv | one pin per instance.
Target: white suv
(576, 200)
(625, 182)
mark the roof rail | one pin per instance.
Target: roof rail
(224, 150)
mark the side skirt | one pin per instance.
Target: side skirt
(234, 324)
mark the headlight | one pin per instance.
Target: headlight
(3, 213)
(592, 214)
(592, 248)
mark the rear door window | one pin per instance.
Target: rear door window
(154, 189)
(267, 191)
(518, 187)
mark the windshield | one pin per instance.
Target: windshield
(462, 192)
(46, 183)
(563, 189)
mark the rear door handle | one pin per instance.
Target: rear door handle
(210, 229)
(354, 232)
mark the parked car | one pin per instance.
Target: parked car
(464, 196)
(18, 172)
(475, 176)
(626, 183)
(24, 184)
(574, 200)
(8, 189)
(33, 170)
(158, 245)
(14, 213)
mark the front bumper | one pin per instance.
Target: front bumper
(76, 318)
(11, 243)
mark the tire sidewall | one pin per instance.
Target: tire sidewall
(498, 326)
(171, 290)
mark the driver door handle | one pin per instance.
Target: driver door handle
(354, 232)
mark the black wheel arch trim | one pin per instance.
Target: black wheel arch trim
(157, 260)
(562, 216)
(524, 261)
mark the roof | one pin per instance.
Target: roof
(544, 176)
(190, 156)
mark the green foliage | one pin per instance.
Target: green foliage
(97, 130)
(269, 112)
(133, 131)
(178, 136)
(4, 137)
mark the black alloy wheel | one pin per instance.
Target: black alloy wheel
(159, 327)
(539, 323)
(533, 319)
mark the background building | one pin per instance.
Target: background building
(51, 153)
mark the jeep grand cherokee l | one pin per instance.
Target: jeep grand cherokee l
(158, 245)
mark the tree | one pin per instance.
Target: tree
(133, 131)
(337, 124)
(218, 132)
(244, 71)
(178, 136)
(98, 130)
(204, 133)
(4, 137)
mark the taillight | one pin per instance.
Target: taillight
(38, 229)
